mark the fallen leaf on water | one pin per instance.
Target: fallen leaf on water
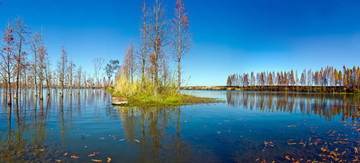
(287, 157)
(257, 159)
(96, 160)
(66, 154)
(41, 150)
(333, 153)
(102, 138)
(109, 159)
(121, 139)
(292, 126)
(92, 154)
(137, 140)
(58, 160)
(74, 157)
(218, 132)
(291, 143)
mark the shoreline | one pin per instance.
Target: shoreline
(303, 89)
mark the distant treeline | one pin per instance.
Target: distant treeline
(347, 78)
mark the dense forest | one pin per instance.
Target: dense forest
(329, 77)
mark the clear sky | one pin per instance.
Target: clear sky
(230, 36)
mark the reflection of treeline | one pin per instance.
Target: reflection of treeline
(319, 104)
(346, 78)
(26, 130)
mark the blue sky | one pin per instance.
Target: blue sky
(230, 36)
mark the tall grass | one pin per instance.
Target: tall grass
(126, 88)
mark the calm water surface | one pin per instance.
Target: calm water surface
(248, 127)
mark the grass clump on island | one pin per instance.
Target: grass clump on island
(138, 93)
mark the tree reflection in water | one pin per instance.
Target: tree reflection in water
(153, 128)
(323, 105)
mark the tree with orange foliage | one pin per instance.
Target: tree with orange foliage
(345, 84)
(158, 37)
(181, 38)
(336, 77)
(340, 78)
(271, 83)
(8, 57)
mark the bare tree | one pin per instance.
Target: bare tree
(129, 63)
(98, 63)
(158, 35)
(144, 43)
(35, 45)
(8, 57)
(48, 76)
(61, 69)
(42, 66)
(20, 28)
(182, 38)
(79, 79)
(71, 67)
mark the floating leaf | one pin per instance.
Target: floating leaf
(291, 143)
(292, 126)
(96, 160)
(58, 160)
(121, 139)
(108, 159)
(137, 140)
(92, 154)
(287, 157)
(74, 157)
(66, 154)
(102, 138)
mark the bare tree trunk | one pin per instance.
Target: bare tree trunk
(18, 65)
(179, 75)
(9, 90)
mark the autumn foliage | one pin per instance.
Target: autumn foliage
(329, 76)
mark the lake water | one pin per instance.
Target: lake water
(247, 127)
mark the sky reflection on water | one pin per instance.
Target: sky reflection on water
(235, 131)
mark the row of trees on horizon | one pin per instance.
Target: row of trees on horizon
(328, 76)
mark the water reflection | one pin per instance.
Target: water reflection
(80, 124)
(27, 125)
(150, 127)
(324, 105)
